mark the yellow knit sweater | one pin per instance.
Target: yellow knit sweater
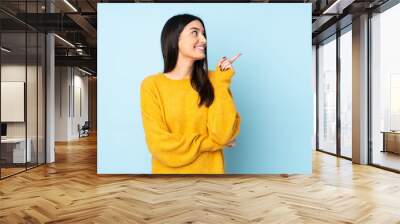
(182, 137)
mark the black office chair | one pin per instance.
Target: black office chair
(84, 130)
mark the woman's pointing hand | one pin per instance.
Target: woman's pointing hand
(225, 64)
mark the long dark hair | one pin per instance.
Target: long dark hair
(169, 46)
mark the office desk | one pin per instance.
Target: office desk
(391, 141)
(13, 150)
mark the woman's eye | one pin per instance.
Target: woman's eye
(194, 32)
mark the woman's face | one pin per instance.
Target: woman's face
(192, 42)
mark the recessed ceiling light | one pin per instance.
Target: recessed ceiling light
(338, 6)
(70, 5)
(64, 40)
(5, 50)
(84, 71)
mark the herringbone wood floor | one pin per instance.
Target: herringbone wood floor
(70, 191)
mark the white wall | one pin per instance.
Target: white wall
(81, 103)
(9, 73)
(62, 81)
(33, 127)
(71, 94)
(15, 72)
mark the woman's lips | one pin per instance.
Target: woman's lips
(200, 48)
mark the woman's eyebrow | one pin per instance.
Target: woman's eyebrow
(194, 28)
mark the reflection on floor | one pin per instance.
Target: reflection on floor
(346, 152)
(386, 159)
(10, 169)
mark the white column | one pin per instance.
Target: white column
(50, 100)
(50, 91)
(360, 90)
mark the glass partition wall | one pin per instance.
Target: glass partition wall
(327, 95)
(13, 90)
(334, 84)
(345, 62)
(385, 89)
(334, 114)
(22, 77)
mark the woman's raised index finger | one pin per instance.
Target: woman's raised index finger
(235, 57)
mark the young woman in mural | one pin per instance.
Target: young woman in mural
(188, 113)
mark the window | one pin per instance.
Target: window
(327, 96)
(346, 93)
(385, 88)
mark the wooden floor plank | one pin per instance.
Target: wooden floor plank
(70, 191)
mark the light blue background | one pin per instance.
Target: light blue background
(272, 86)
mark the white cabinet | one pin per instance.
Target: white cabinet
(18, 149)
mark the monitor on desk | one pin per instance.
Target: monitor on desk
(3, 130)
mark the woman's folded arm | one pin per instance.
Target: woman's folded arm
(223, 119)
(171, 149)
